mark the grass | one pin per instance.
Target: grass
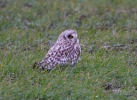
(106, 28)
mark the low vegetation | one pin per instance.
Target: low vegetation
(107, 30)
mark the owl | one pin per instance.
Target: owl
(66, 51)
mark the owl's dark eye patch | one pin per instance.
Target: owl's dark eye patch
(70, 36)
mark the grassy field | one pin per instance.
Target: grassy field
(108, 66)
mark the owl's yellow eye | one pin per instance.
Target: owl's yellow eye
(70, 36)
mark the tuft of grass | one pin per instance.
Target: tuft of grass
(106, 28)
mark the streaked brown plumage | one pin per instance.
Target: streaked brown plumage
(65, 51)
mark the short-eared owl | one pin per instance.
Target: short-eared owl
(65, 51)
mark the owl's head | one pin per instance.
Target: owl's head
(69, 35)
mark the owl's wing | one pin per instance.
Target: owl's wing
(52, 58)
(60, 55)
(49, 60)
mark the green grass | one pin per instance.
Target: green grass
(28, 28)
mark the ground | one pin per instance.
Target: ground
(107, 30)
